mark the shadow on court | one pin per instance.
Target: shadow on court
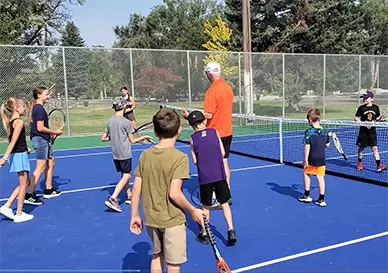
(140, 259)
(285, 190)
(57, 183)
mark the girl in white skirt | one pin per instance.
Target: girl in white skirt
(17, 156)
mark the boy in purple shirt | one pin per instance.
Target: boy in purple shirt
(207, 153)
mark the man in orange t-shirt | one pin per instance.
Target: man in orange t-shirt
(218, 106)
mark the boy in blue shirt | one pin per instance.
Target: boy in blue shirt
(316, 140)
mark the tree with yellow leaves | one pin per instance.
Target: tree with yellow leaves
(219, 36)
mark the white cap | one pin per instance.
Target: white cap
(213, 68)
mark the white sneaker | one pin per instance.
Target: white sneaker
(7, 212)
(23, 217)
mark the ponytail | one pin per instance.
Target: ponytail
(6, 112)
(30, 106)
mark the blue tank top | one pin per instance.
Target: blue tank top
(207, 149)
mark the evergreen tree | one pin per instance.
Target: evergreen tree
(71, 36)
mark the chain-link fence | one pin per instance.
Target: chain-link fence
(280, 85)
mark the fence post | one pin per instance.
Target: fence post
(324, 86)
(284, 86)
(239, 84)
(66, 93)
(188, 77)
(131, 68)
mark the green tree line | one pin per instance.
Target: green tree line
(289, 26)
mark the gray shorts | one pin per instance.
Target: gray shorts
(130, 115)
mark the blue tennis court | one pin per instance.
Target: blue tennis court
(275, 232)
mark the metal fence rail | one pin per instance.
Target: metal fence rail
(282, 85)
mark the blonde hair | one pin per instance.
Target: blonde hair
(7, 109)
(35, 94)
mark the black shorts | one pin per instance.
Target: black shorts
(367, 138)
(221, 190)
(123, 166)
(227, 141)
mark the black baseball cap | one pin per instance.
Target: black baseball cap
(367, 95)
(195, 116)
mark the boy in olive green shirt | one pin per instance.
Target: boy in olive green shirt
(158, 178)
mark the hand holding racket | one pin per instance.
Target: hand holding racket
(221, 264)
(337, 144)
(144, 127)
(57, 120)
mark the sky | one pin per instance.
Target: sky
(97, 18)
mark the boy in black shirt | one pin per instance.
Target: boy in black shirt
(367, 135)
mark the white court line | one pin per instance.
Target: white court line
(112, 186)
(99, 153)
(310, 252)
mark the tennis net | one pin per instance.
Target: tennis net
(281, 140)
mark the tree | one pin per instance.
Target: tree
(71, 36)
(32, 22)
(178, 24)
(77, 61)
(219, 36)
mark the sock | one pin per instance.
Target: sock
(321, 196)
(359, 160)
(378, 162)
(306, 193)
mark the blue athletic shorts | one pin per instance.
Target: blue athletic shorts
(18, 162)
(123, 166)
(41, 147)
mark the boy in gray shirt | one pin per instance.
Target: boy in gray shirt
(119, 131)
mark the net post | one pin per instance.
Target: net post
(66, 93)
(239, 85)
(359, 78)
(283, 86)
(281, 140)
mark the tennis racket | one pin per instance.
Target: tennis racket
(57, 120)
(221, 264)
(144, 126)
(337, 145)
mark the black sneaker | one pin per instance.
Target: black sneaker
(232, 239)
(203, 239)
(51, 193)
(32, 199)
(306, 199)
(321, 203)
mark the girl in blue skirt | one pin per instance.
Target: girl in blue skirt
(16, 155)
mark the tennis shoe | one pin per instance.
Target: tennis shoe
(203, 239)
(32, 199)
(232, 239)
(321, 203)
(51, 193)
(7, 212)
(113, 204)
(306, 199)
(23, 217)
(359, 166)
(381, 168)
